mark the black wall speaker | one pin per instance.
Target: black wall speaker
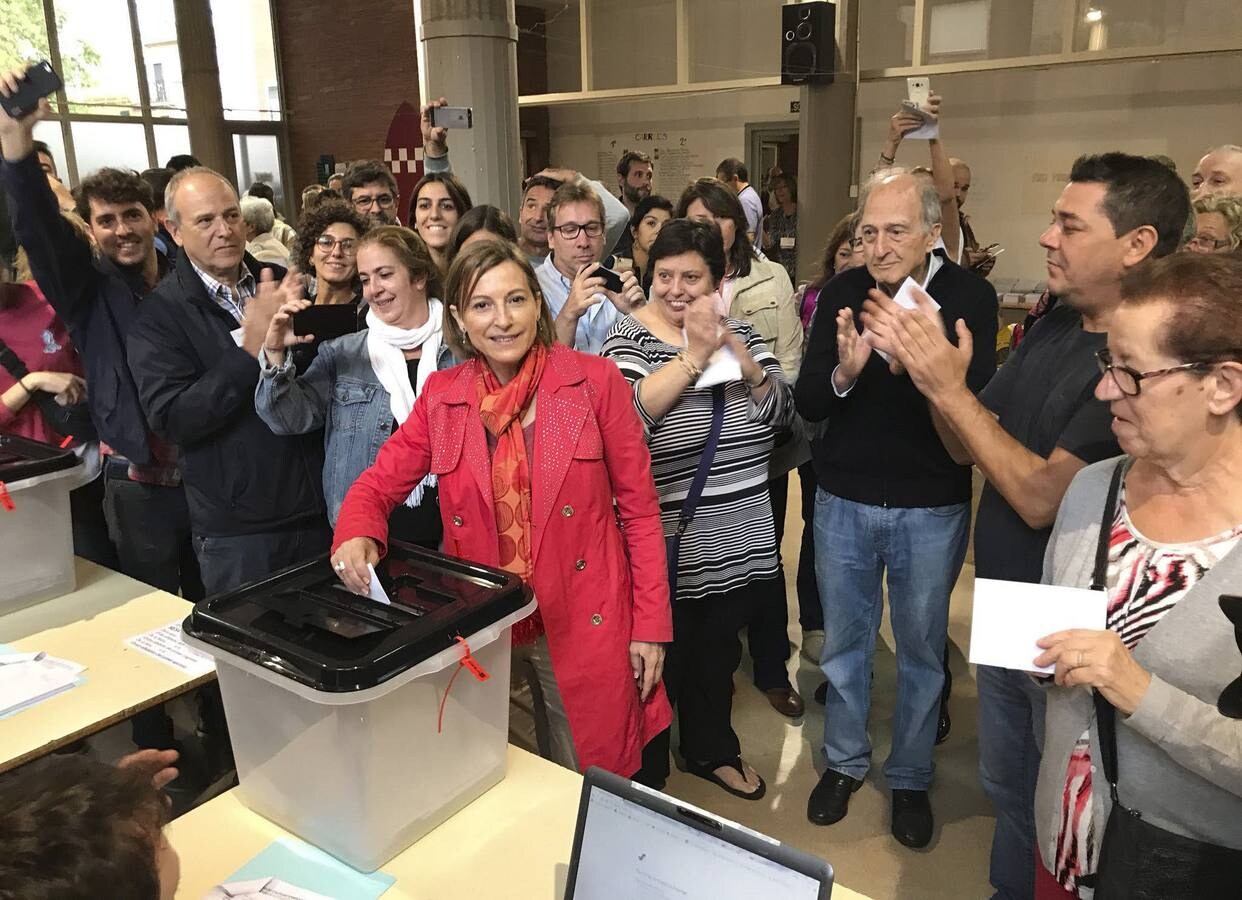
(808, 42)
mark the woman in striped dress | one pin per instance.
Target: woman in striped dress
(726, 558)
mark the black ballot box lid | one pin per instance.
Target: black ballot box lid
(21, 458)
(304, 624)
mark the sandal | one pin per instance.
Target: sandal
(707, 771)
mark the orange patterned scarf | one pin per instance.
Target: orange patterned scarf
(501, 407)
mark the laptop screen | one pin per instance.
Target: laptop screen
(629, 851)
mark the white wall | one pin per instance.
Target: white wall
(1020, 130)
(688, 135)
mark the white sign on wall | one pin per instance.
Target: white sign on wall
(675, 159)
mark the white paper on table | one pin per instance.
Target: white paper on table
(261, 889)
(24, 683)
(376, 590)
(166, 645)
(907, 298)
(1010, 616)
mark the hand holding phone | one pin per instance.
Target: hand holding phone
(452, 117)
(21, 94)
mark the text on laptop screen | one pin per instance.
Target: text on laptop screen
(629, 851)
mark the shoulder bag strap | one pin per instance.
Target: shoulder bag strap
(12, 362)
(1105, 715)
(691, 503)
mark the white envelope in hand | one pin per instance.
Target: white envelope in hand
(1010, 616)
(907, 296)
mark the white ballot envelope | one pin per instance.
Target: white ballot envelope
(1010, 616)
(906, 297)
(376, 590)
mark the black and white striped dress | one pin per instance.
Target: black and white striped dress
(731, 541)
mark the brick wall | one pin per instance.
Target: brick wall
(346, 68)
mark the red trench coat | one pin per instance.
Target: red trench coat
(598, 586)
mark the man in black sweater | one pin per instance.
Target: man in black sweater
(890, 498)
(255, 501)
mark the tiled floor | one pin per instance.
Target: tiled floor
(789, 756)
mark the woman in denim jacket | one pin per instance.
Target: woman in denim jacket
(362, 386)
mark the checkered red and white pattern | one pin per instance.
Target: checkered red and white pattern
(403, 159)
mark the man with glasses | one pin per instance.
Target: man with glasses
(371, 189)
(583, 308)
(1033, 428)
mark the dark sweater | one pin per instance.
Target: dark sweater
(197, 388)
(880, 446)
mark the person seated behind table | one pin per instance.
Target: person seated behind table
(1218, 224)
(1173, 381)
(261, 243)
(649, 217)
(361, 387)
(481, 223)
(74, 828)
(532, 443)
(727, 560)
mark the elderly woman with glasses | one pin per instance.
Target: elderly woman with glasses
(1218, 224)
(1157, 530)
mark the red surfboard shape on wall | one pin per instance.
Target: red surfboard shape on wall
(403, 154)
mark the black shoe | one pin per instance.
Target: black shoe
(821, 694)
(912, 818)
(830, 800)
(944, 725)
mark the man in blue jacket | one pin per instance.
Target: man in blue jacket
(254, 498)
(97, 296)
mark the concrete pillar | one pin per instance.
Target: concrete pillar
(826, 165)
(210, 139)
(467, 53)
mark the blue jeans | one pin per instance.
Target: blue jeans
(922, 550)
(1011, 735)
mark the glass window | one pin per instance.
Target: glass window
(50, 134)
(962, 30)
(246, 56)
(24, 35)
(733, 39)
(157, 24)
(258, 159)
(170, 140)
(99, 144)
(97, 55)
(561, 34)
(885, 34)
(633, 43)
(1111, 25)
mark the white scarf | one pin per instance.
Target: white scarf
(385, 346)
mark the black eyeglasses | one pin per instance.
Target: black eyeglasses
(327, 242)
(570, 230)
(363, 203)
(1128, 380)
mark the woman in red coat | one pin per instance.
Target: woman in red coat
(531, 442)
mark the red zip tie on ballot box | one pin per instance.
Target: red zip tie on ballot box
(6, 500)
(467, 662)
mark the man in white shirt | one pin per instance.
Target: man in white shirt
(583, 308)
(733, 173)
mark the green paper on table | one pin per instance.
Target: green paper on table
(300, 864)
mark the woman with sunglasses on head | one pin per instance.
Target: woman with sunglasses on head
(361, 387)
(1157, 530)
(542, 472)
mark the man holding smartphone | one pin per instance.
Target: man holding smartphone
(574, 283)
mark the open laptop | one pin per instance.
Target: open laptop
(634, 842)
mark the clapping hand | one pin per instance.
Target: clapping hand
(264, 305)
(852, 351)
